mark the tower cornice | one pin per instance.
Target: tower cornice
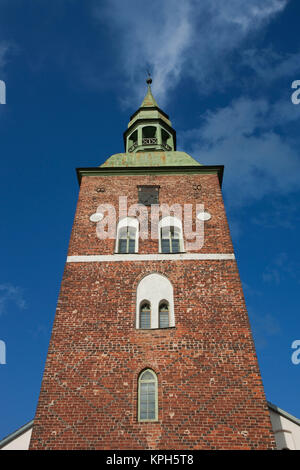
(149, 108)
(150, 170)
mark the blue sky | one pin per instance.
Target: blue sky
(74, 72)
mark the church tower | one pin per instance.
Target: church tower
(151, 346)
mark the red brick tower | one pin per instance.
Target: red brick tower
(151, 346)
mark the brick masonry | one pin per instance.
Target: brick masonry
(210, 393)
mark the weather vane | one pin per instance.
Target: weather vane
(149, 79)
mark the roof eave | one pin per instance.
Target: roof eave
(16, 434)
(110, 171)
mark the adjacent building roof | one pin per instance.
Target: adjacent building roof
(14, 435)
(284, 413)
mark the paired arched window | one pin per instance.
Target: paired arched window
(147, 396)
(163, 315)
(154, 303)
(127, 235)
(170, 235)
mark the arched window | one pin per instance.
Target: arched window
(170, 240)
(147, 396)
(149, 135)
(133, 141)
(154, 302)
(127, 235)
(164, 314)
(166, 140)
(145, 315)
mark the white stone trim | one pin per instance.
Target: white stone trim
(150, 257)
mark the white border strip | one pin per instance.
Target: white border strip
(149, 257)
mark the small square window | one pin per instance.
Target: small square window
(148, 195)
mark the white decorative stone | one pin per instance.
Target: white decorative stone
(203, 216)
(96, 217)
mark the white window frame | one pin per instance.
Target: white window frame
(128, 222)
(170, 221)
(156, 395)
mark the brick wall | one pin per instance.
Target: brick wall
(210, 394)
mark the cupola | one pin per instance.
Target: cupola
(149, 128)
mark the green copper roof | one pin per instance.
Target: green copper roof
(149, 109)
(172, 158)
(149, 100)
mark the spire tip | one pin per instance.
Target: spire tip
(149, 79)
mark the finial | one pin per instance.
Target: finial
(149, 79)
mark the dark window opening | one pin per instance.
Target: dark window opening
(127, 238)
(148, 195)
(170, 240)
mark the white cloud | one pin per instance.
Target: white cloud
(199, 39)
(258, 161)
(191, 38)
(11, 293)
(270, 65)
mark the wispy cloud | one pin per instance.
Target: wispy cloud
(283, 214)
(269, 65)
(5, 48)
(250, 291)
(41, 331)
(208, 41)
(272, 275)
(10, 293)
(281, 267)
(264, 327)
(194, 37)
(259, 161)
